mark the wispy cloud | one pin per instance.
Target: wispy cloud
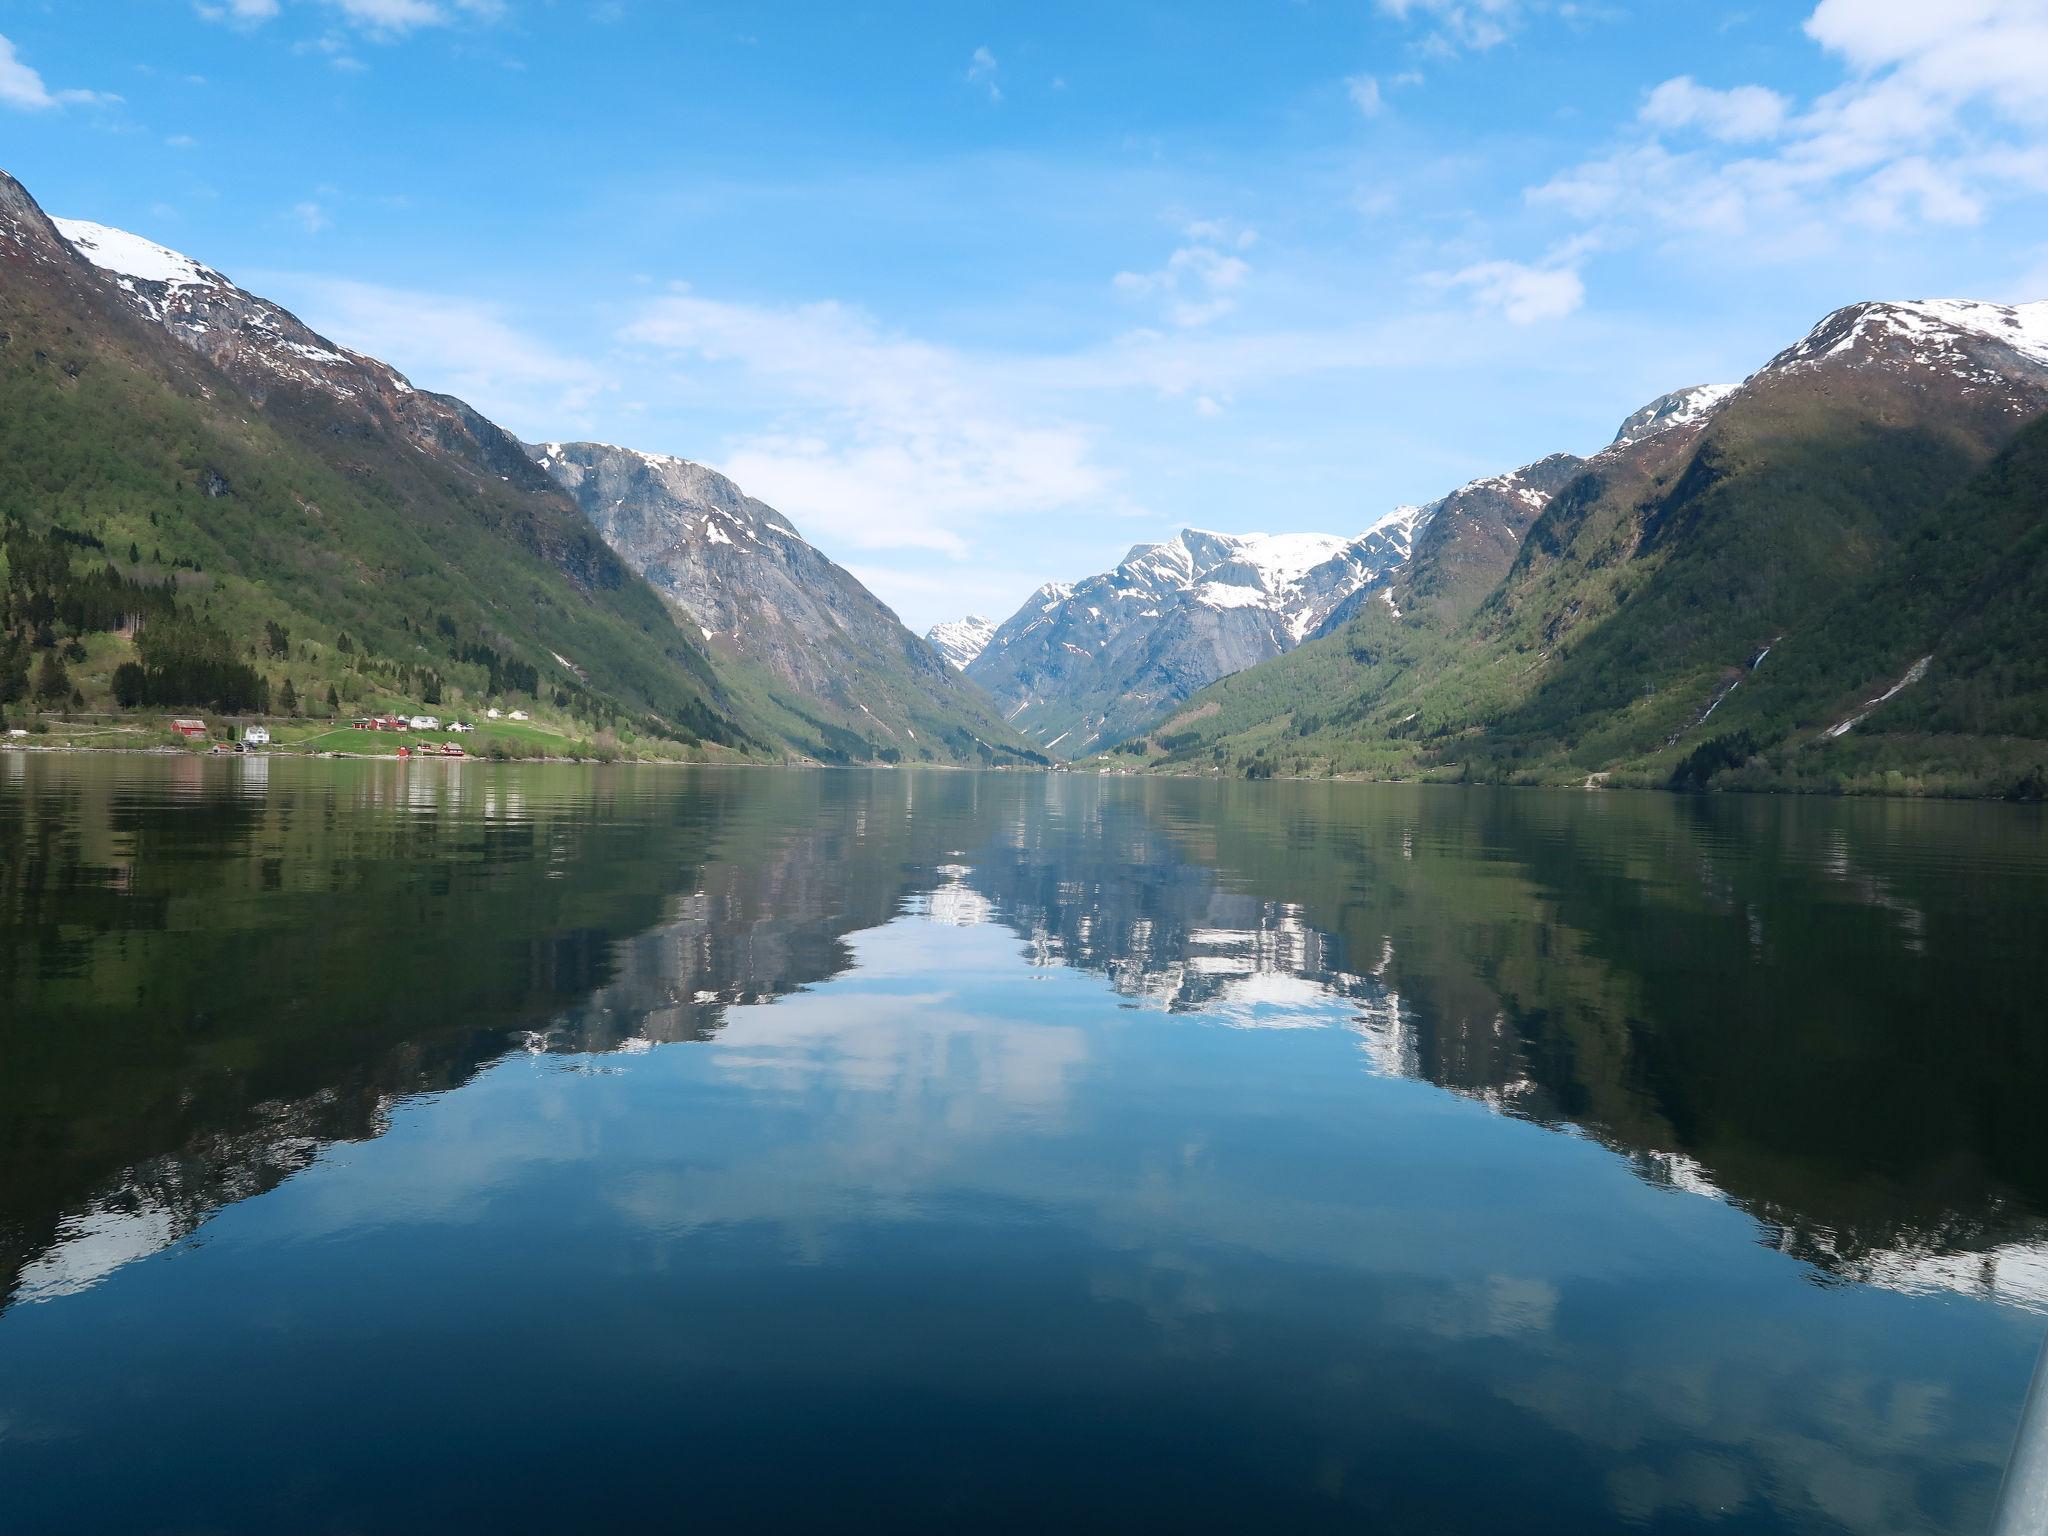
(1520, 294)
(22, 87)
(1737, 115)
(1201, 279)
(982, 70)
(1364, 91)
(382, 19)
(245, 13)
(1461, 25)
(882, 441)
(461, 346)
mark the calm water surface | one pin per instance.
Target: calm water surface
(414, 1147)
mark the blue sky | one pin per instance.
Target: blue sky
(982, 294)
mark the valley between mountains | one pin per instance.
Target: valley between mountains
(1830, 576)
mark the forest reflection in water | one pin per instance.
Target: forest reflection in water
(1146, 1079)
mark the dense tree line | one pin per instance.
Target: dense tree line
(189, 660)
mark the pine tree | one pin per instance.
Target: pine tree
(52, 681)
(288, 700)
(333, 700)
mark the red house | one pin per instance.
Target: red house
(191, 730)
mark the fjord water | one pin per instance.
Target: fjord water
(421, 1147)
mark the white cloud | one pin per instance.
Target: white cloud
(1364, 91)
(457, 345)
(981, 71)
(883, 441)
(1941, 114)
(1200, 280)
(312, 217)
(1474, 25)
(1743, 113)
(379, 18)
(23, 88)
(1522, 295)
(239, 12)
(1916, 190)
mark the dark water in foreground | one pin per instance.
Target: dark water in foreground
(392, 1147)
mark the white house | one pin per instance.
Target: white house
(256, 736)
(519, 714)
(495, 713)
(425, 723)
(458, 726)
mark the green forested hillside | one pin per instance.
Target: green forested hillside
(1837, 525)
(320, 553)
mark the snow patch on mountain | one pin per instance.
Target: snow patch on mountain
(1942, 334)
(961, 640)
(1666, 413)
(126, 255)
(236, 329)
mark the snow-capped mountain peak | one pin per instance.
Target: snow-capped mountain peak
(1680, 408)
(1946, 335)
(961, 640)
(1266, 565)
(257, 341)
(1082, 663)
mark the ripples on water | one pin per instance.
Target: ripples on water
(387, 1146)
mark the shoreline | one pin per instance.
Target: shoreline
(1580, 788)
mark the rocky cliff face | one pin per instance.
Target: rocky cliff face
(1469, 538)
(837, 661)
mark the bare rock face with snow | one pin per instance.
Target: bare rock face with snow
(755, 589)
(1468, 539)
(270, 352)
(1680, 408)
(1083, 665)
(1963, 347)
(961, 640)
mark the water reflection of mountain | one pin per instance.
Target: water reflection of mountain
(1792, 1007)
(209, 979)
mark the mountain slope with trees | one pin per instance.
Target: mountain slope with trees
(305, 535)
(1667, 582)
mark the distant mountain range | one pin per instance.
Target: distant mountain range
(1085, 665)
(1828, 576)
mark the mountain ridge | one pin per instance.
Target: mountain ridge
(297, 540)
(1650, 591)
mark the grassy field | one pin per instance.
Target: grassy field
(518, 738)
(515, 739)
